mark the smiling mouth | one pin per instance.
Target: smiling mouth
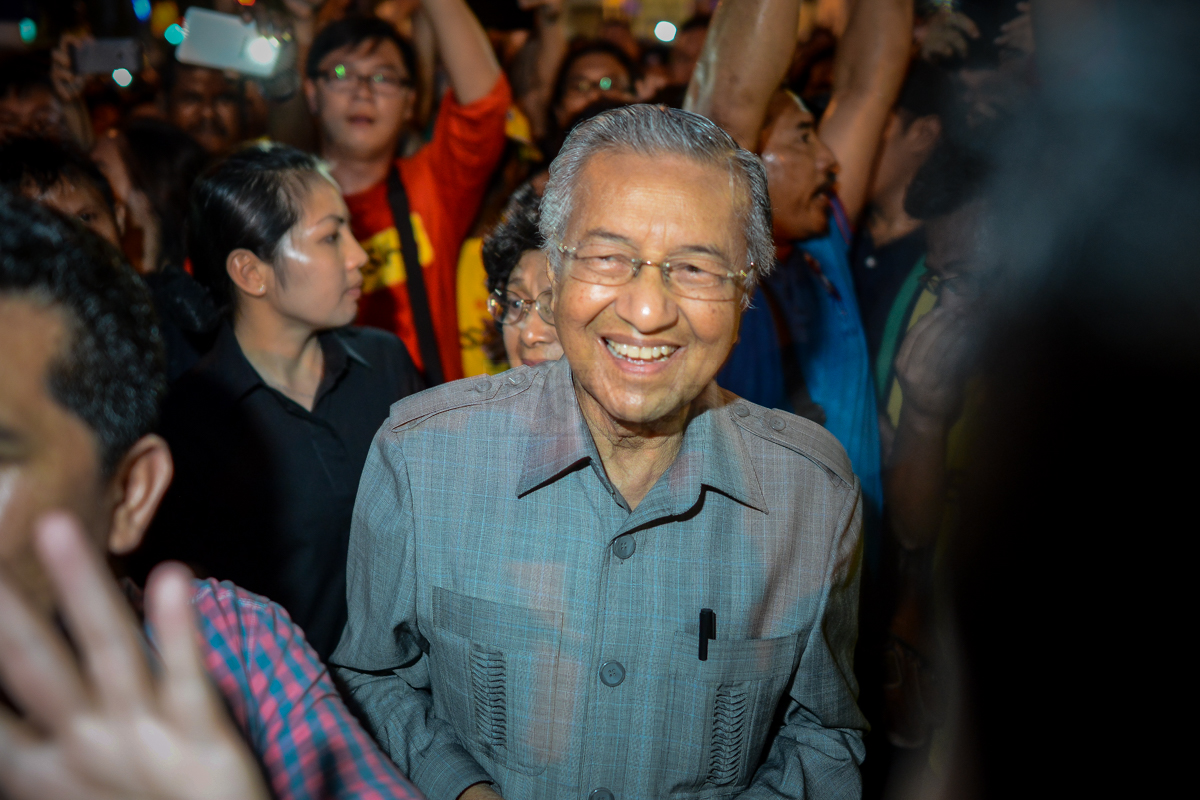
(640, 355)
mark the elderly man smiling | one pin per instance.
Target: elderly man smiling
(604, 577)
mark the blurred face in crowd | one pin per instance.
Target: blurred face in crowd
(316, 279)
(531, 340)
(206, 104)
(83, 201)
(638, 352)
(958, 257)
(49, 458)
(906, 143)
(34, 112)
(801, 170)
(589, 78)
(363, 98)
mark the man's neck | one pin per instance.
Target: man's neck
(287, 357)
(635, 456)
(886, 218)
(357, 173)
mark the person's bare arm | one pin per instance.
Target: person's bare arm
(466, 52)
(930, 367)
(745, 57)
(869, 68)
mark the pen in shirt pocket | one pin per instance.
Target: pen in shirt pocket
(708, 630)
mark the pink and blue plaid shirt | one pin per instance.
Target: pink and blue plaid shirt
(282, 698)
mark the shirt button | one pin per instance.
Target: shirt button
(624, 546)
(517, 378)
(611, 674)
(482, 385)
(742, 410)
(601, 794)
(870, 262)
(777, 424)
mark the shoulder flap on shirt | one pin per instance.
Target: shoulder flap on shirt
(419, 407)
(797, 434)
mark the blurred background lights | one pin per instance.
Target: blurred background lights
(246, 2)
(165, 12)
(122, 77)
(262, 50)
(665, 31)
(174, 34)
(28, 30)
(141, 10)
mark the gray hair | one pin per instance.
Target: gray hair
(655, 131)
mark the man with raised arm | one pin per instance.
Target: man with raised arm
(410, 214)
(603, 577)
(802, 346)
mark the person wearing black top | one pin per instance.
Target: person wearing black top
(271, 428)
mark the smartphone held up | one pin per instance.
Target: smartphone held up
(226, 41)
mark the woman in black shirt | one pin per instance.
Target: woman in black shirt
(271, 428)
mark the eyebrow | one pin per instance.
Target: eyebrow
(338, 218)
(616, 238)
(9, 436)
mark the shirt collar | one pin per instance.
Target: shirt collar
(713, 453)
(560, 439)
(228, 366)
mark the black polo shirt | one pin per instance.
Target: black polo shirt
(264, 489)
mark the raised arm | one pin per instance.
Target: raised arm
(745, 57)
(464, 47)
(868, 71)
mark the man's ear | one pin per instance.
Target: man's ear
(248, 272)
(120, 214)
(140, 481)
(925, 132)
(310, 95)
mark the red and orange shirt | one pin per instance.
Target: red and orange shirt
(445, 181)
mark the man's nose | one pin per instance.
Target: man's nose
(826, 160)
(645, 303)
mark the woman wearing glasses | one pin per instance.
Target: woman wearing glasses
(520, 287)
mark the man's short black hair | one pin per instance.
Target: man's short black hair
(516, 235)
(111, 372)
(41, 164)
(926, 91)
(22, 73)
(952, 176)
(352, 32)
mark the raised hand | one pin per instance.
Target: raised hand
(944, 35)
(101, 725)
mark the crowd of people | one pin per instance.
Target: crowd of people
(539, 415)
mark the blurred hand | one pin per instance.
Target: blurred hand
(303, 9)
(932, 364)
(67, 85)
(101, 726)
(945, 35)
(1016, 35)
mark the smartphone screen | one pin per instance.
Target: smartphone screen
(100, 56)
(225, 41)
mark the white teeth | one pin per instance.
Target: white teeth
(635, 353)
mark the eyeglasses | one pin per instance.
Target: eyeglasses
(382, 82)
(699, 277)
(605, 84)
(508, 309)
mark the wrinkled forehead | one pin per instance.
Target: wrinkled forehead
(786, 107)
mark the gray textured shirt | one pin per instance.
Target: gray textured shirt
(511, 620)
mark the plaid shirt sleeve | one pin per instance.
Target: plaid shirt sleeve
(281, 696)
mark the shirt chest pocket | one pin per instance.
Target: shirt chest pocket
(493, 670)
(721, 711)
